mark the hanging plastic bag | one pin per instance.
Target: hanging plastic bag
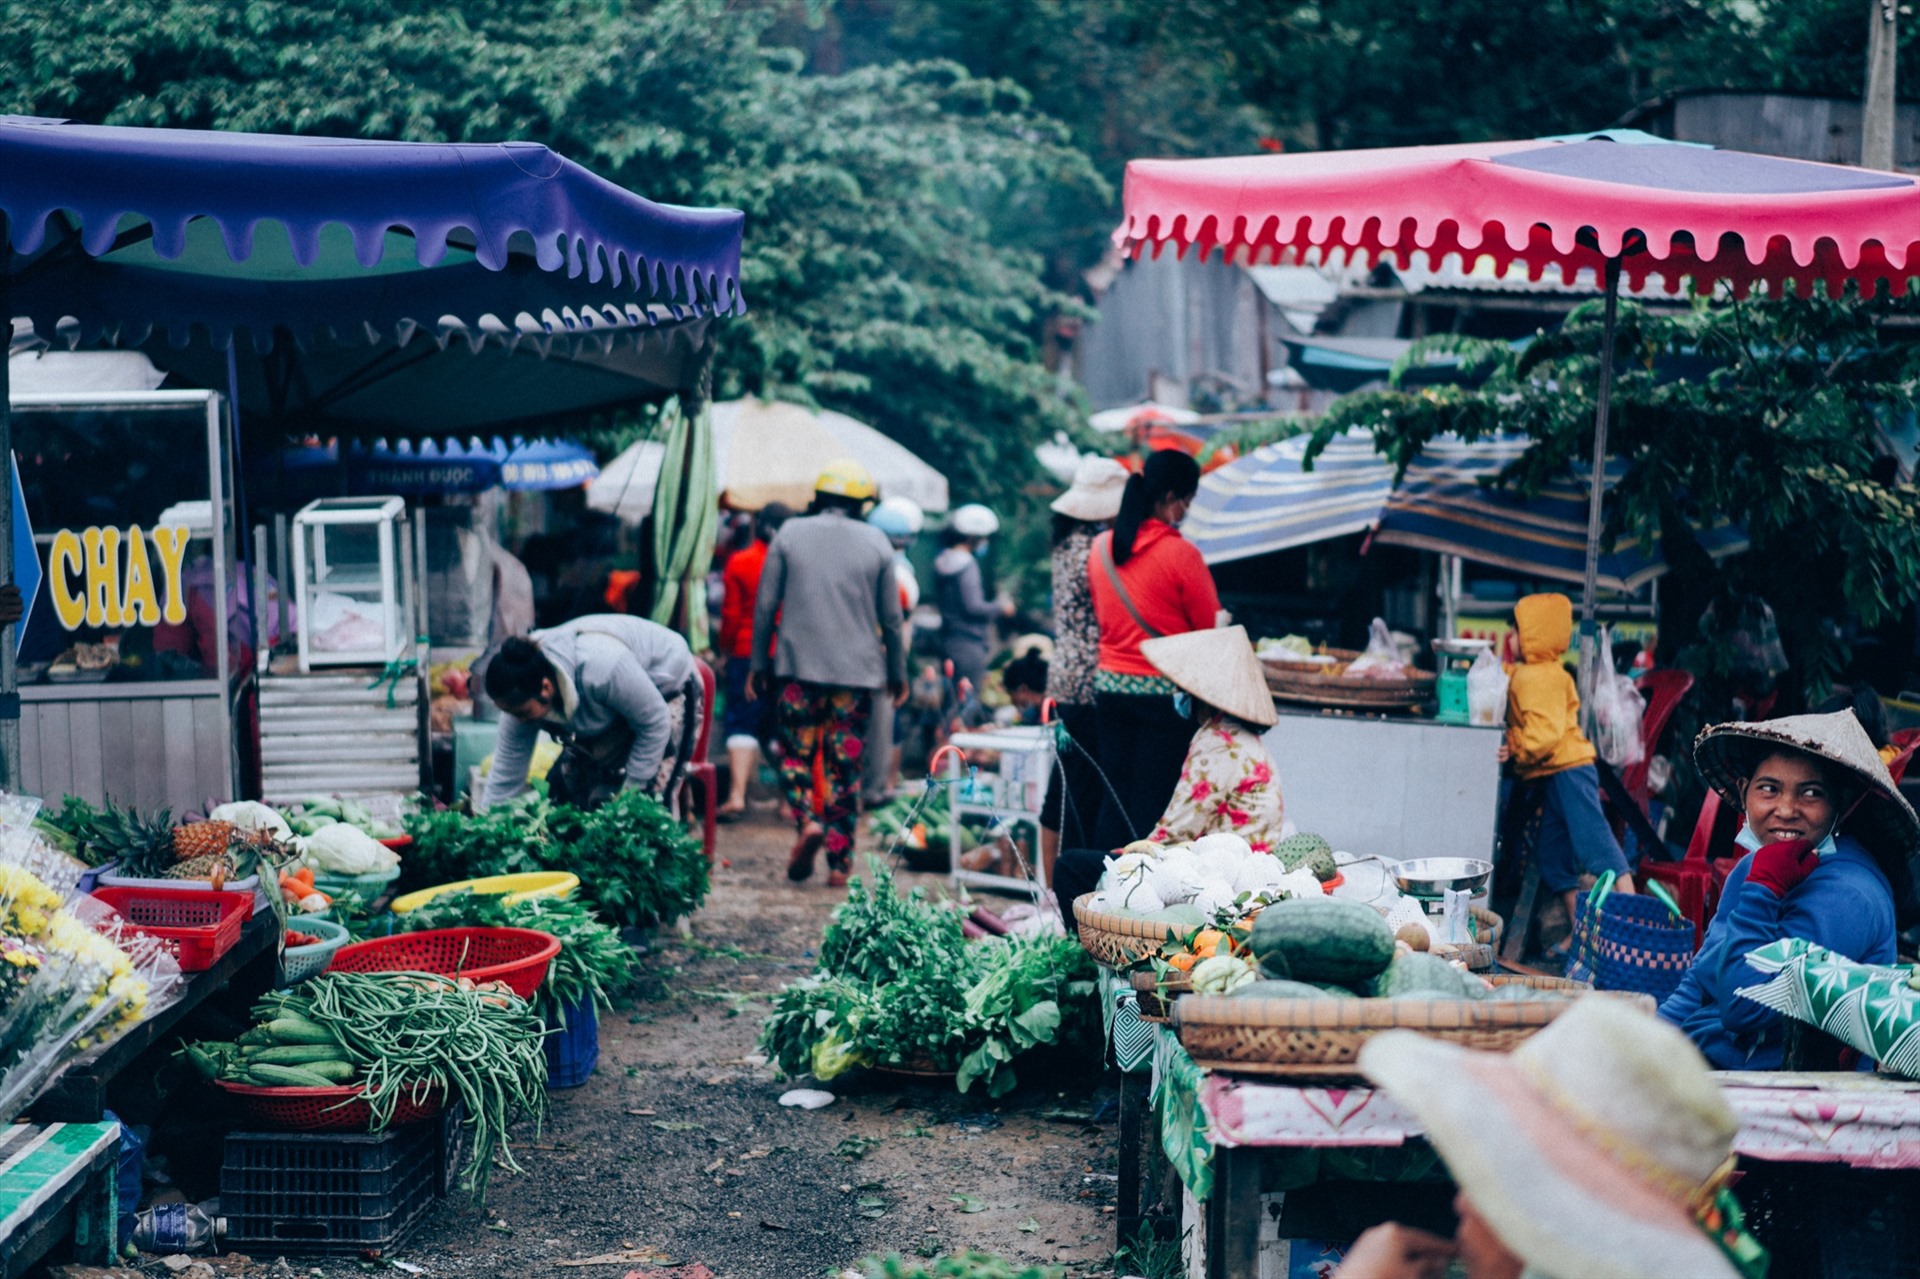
(1487, 691)
(1382, 659)
(1617, 709)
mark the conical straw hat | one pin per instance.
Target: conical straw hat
(1884, 821)
(1217, 667)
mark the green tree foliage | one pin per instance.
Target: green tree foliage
(1763, 412)
(877, 278)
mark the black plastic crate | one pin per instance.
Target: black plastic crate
(332, 1192)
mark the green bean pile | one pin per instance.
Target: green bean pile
(415, 1034)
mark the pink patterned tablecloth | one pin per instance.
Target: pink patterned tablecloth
(1864, 1121)
(1861, 1120)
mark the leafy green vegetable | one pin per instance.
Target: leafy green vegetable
(960, 1265)
(636, 864)
(900, 986)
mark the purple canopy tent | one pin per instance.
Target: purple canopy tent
(107, 234)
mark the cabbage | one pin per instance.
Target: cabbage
(341, 849)
(248, 814)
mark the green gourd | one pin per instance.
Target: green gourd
(1322, 940)
(1412, 971)
(1279, 988)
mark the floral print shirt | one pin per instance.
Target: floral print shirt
(1226, 785)
(1076, 632)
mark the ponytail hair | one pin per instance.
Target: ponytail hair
(1168, 473)
(514, 673)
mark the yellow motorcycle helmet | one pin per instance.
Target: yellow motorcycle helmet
(844, 477)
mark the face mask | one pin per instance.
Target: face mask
(980, 551)
(1183, 706)
(1751, 842)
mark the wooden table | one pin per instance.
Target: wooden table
(77, 1093)
(57, 1182)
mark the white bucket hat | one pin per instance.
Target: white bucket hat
(1596, 1148)
(1884, 821)
(1217, 667)
(1094, 496)
(975, 520)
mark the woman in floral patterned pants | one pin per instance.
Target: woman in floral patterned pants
(821, 731)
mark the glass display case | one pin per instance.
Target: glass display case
(128, 678)
(353, 581)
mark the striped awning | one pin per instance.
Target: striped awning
(1267, 502)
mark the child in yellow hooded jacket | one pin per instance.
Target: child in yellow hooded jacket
(1545, 745)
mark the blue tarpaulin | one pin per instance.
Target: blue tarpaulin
(1268, 502)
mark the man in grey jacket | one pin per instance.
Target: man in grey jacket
(829, 589)
(621, 692)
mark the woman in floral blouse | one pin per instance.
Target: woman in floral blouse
(1227, 782)
(1074, 791)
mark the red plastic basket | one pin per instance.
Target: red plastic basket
(516, 956)
(196, 925)
(321, 1109)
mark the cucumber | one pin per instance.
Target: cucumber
(295, 1055)
(203, 1061)
(287, 1029)
(267, 1075)
(339, 1072)
(1322, 940)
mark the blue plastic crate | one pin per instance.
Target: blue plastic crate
(574, 1050)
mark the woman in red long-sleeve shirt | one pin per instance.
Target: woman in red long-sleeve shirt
(1146, 581)
(741, 578)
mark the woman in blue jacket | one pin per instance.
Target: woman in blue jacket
(1827, 838)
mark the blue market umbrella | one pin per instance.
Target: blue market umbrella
(535, 465)
(107, 234)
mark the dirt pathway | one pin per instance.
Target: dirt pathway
(677, 1150)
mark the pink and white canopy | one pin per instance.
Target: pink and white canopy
(1676, 210)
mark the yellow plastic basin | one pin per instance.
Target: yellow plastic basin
(517, 888)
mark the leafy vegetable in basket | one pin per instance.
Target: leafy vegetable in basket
(593, 962)
(636, 864)
(398, 1035)
(900, 986)
(961, 1265)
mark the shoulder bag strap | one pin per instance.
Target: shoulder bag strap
(1103, 550)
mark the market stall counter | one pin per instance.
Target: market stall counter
(57, 1183)
(1241, 1147)
(1392, 785)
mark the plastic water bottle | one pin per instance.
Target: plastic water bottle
(173, 1228)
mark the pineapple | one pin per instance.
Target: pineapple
(143, 847)
(201, 839)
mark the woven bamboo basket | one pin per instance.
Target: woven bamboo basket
(1315, 685)
(919, 1067)
(1319, 1040)
(1155, 998)
(1117, 940)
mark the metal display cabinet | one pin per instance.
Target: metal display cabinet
(1010, 799)
(152, 722)
(350, 561)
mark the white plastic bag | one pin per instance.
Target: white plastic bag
(1487, 691)
(1382, 659)
(1617, 710)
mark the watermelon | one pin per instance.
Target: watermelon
(1277, 988)
(1310, 851)
(1413, 971)
(1322, 940)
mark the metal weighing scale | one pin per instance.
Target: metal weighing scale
(1455, 657)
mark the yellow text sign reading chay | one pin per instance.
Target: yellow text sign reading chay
(118, 577)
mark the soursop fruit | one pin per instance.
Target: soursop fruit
(1309, 851)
